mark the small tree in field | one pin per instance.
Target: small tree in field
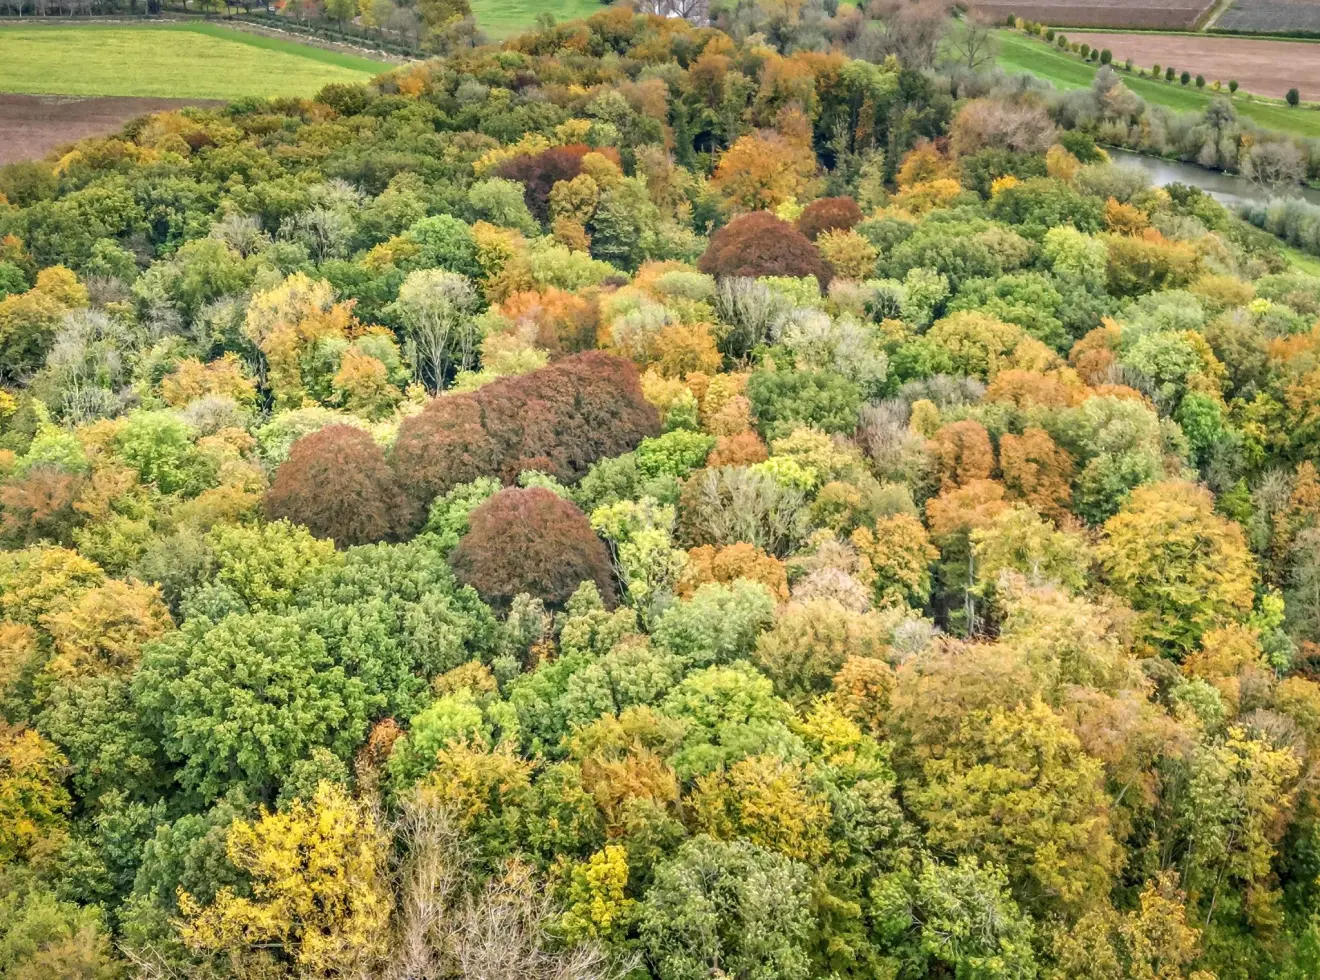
(1106, 56)
(1200, 81)
(1062, 42)
(1155, 71)
(1293, 97)
(1085, 50)
(1232, 85)
(530, 541)
(1185, 77)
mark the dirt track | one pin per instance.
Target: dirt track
(1264, 67)
(33, 125)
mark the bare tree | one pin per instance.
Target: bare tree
(974, 45)
(448, 926)
(911, 32)
(1274, 164)
(694, 11)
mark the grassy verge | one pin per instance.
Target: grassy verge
(172, 60)
(499, 19)
(1022, 54)
(1301, 261)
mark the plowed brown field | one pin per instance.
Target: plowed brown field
(33, 125)
(1266, 67)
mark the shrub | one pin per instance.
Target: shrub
(1200, 81)
(1169, 73)
(1106, 56)
(1232, 85)
(530, 541)
(558, 420)
(759, 244)
(1293, 97)
(336, 482)
(1185, 77)
(828, 214)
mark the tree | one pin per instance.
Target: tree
(33, 802)
(336, 482)
(319, 889)
(437, 308)
(1292, 98)
(1233, 85)
(763, 170)
(759, 244)
(238, 702)
(1183, 567)
(974, 44)
(559, 420)
(530, 541)
(810, 643)
(828, 214)
(1014, 787)
(731, 907)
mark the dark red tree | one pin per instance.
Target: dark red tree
(828, 214)
(539, 172)
(531, 541)
(559, 420)
(759, 244)
(336, 482)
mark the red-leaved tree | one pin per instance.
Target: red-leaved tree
(559, 420)
(828, 214)
(336, 482)
(531, 541)
(759, 244)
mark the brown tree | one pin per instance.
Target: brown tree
(530, 541)
(559, 420)
(336, 482)
(759, 244)
(828, 214)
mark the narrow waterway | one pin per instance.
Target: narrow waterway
(1225, 188)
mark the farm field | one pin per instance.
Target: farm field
(1022, 54)
(174, 61)
(1260, 16)
(1263, 66)
(499, 19)
(1157, 14)
(33, 125)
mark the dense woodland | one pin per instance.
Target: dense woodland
(640, 504)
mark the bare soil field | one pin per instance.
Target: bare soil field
(33, 125)
(1266, 67)
(1154, 15)
(1264, 16)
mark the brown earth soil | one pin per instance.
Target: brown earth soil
(1265, 67)
(31, 126)
(1149, 15)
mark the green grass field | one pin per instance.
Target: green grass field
(181, 61)
(499, 19)
(1021, 54)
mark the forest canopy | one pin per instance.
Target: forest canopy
(637, 502)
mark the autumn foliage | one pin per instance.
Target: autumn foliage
(337, 483)
(759, 244)
(530, 541)
(559, 420)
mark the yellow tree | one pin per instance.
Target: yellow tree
(1183, 567)
(319, 892)
(762, 171)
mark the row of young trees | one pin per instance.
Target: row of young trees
(634, 503)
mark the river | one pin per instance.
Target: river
(1225, 188)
